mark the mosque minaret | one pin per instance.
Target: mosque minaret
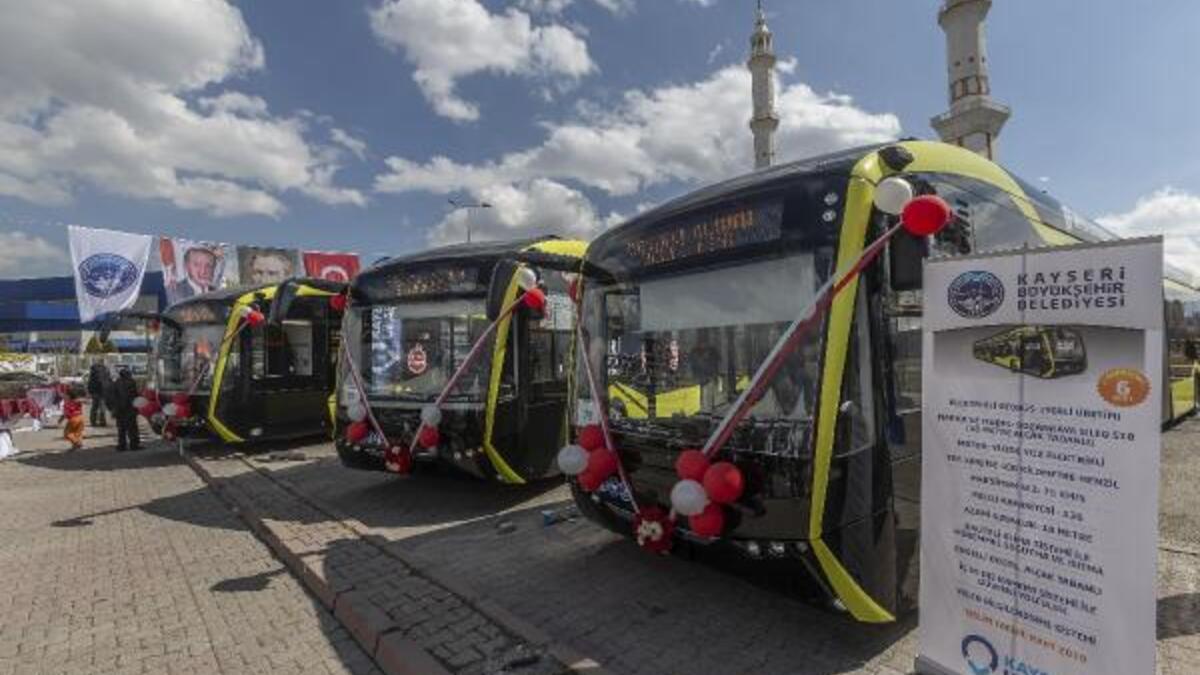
(762, 74)
(974, 119)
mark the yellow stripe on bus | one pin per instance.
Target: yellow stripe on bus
(235, 316)
(502, 468)
(841, 314)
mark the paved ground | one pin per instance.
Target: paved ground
(443, 557)
(1179, 498)
(126, 563)
(636, 613)
(390, 599)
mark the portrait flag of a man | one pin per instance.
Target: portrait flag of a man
(109, 267)
(191, 268)
(264, 265)
(331, 266)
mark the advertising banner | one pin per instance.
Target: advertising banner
(1042, 404)
(341, 267)
(191, 268)
(261, 265)
(109, 267)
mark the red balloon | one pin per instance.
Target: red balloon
(590, 482)
(708, 523)
(591, 437)
(255, 318)
(180, 399)
(691, 465)
(534, 299)
(338, 302)
(183, 411)
(398, 460)
(429, 437)
(724, 483)
(925, 215)
(357, 431)
(573, 289)
(602, 462)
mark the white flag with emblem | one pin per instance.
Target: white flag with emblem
(109, 267)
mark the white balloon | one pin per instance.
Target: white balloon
(688, 497)
(140, 402)
(572, 460)
(431, 416)
(357, 411)
(351, 395)
(526, 278)
(892, 194)
(170, 409)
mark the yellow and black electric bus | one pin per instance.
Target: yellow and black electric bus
(1047, 352)
(412, 322)
(250, 364)
(695, 293)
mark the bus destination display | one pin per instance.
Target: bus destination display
(694, 236)
(430, 282)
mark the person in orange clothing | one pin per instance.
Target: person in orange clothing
(73, 414)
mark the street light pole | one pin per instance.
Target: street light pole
(468, 206)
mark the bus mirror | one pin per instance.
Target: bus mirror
(502, 276)
(905, 256)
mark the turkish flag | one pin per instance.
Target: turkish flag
(331, 266)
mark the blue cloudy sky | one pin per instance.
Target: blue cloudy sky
(348, 124)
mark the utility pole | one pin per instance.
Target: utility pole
(469, 206)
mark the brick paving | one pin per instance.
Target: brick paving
(466, 571)
(127, 563)
(635, 613)
(453, 629)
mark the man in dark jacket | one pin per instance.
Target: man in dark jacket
(98, 384)
(125, 390)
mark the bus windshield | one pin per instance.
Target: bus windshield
(187, 353)
(685, 346)
(415, 348)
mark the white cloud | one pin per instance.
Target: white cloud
(447, 40)
(1171, 212)
(545, 6)
(530, 208)
(715, 52)
(691, 133)
(352, 143)
(23, 255)
(95, 92)
(616, 6)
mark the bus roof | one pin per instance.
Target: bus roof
(1067, 220)
(458, 252)
(230, 295)
(761, 179)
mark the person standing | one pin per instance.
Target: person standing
(72, 412)
(99, 381)
(125, 390)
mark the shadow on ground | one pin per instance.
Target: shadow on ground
(583, 585)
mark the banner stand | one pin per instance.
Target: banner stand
(924, 666)
(1042, 404)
